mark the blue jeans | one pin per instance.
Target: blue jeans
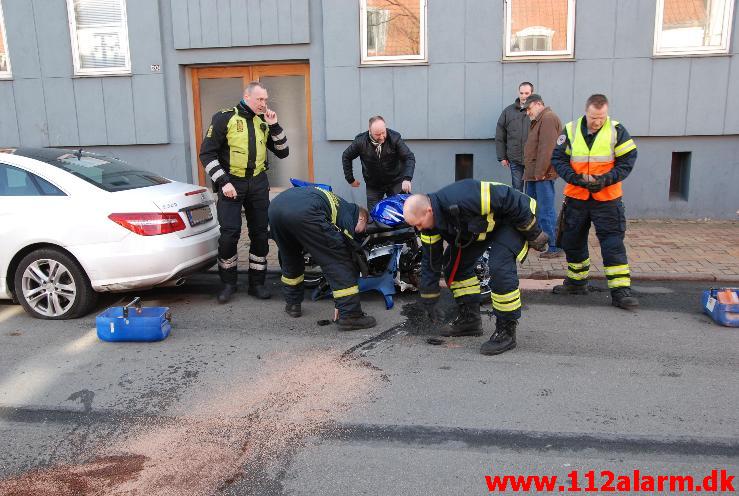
(543, 193)
(516, 175)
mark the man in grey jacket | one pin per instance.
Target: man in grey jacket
(511, 134)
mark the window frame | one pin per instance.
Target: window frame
(728, 22)
(104, 71)
(8, 74)
(567, 54)
(421, 58)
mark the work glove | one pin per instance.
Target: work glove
(540, 242)
(598, 184)
(536, 237)
(579, 180)
(431, 309)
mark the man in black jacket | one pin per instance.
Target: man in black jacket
(511, 133)
(387, 162)
(234, 154)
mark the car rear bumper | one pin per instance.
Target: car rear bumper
(141, 262)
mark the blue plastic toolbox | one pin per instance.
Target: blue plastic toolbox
(133, 322)
(722, 313)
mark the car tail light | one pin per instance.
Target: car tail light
(149, 224)
(196, 192)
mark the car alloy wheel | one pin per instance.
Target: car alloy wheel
(48, 287)
(51, 285)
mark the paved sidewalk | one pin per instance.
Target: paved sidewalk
(662, 250)
(657, 249)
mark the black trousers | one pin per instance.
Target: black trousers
(505, 294)
(296, 226)
(252, 196)
(377, 193)
(609, 219)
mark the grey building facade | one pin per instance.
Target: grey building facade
(189, 57)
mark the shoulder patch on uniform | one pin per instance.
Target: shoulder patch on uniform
(561, 139)
(209, 134)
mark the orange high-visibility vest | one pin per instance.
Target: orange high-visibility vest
(596, 160)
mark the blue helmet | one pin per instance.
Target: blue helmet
(389, 210)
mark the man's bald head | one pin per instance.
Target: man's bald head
(418, 213)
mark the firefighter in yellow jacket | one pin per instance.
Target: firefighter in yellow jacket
(234, 154)
(594, 154)
(472, 216)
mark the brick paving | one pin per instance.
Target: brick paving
(662, 249)
(657, 249)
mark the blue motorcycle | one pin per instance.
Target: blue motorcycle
(392, 250)
(388, 219)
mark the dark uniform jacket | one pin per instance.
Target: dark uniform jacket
(395, 163)
(483, 208)
(511, 133)
(339, 212)
(247, 139)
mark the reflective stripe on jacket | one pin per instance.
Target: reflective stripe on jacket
(236, 143)
(596, 160)
(339, 206)
(239, 130)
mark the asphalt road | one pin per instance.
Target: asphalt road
(309, 410)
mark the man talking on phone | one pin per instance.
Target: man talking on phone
(234, 154)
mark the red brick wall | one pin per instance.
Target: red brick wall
(551, 14)
(403, 28)
(684, 13)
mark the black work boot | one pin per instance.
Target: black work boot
(623, 298)
(354, 322)
(503, 339)
(293, 310)
(225, 294)
(467, 322)
(259, 291)
(570, 289)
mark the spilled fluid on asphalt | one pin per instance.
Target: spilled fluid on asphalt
(234, 435)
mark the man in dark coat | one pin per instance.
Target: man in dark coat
(510, 135)
(387, 162)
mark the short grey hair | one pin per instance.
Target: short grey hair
(250, 87)
(375, 118)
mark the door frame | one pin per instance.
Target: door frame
(248, 73)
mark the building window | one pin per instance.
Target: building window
(680, 175)
(684, 27)
(463, 166)
(393, 31)
(539, 29)
(99, 37)
(4, 59)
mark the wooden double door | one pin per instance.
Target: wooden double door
(288, 85)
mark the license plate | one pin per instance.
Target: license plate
(199, 215)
